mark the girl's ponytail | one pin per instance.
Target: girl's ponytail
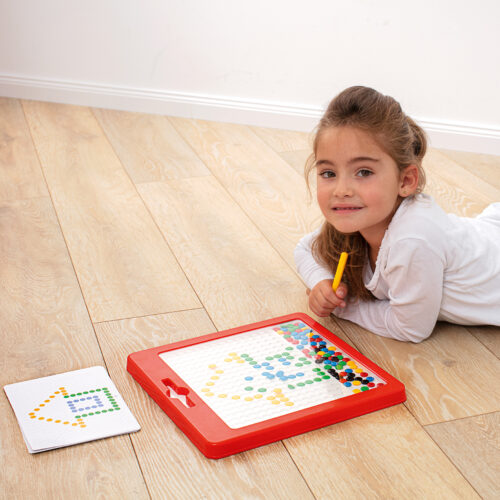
(419, 139)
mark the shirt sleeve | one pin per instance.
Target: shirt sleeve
(414, 276)
(311, 271)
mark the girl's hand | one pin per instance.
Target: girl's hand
(323, 300)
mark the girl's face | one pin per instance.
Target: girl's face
(358, 183)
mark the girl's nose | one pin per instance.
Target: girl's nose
(342, 188)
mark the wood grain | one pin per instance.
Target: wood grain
(489, 336)
(124, 266)
(487, 167)
(456, 188)
(46, 330)
(271, 193)
(150, 205)
(172, 466)
(20, 173)
(285, 140)
(441, 374)
(297, 160)
(238, 276)
(149, 147)
(385, 454)
(473, 445)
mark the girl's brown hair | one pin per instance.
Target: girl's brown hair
(398, 135)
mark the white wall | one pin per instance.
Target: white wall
(267, 62)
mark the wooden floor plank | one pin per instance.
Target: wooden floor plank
(284, 140)
(385, 454)
(487, 167)
(440, 374)
(455, 188)
(123, 263)
(172, 465)
(489, 336)
(46, 330)
(271, 193)
(238, 276)
(20, 173)
(149, 147)
(297, 160)
(473, 444)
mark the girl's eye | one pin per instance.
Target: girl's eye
(327, 174)
(364, 172)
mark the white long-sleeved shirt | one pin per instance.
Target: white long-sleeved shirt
(431, 266)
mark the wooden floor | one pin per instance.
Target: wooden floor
(122, 231)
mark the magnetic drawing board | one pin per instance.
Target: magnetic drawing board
(234, 390)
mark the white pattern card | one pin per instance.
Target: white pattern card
(69, 408)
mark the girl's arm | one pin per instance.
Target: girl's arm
(311, 271)
(414, 276)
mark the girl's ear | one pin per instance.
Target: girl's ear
(408, 181)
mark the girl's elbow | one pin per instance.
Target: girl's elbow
(407, 333)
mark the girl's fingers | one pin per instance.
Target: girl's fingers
(320, 307)
(341, 292)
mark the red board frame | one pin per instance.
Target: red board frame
(213, 437)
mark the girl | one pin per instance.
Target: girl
(409, 264)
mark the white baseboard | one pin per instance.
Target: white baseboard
(456, 136)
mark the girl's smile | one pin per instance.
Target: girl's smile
(359, 184)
